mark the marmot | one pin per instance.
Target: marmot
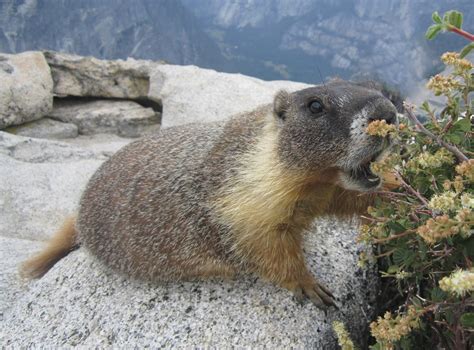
(216, 199)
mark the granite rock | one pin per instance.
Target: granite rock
(26, 88)
(13, 251)
(125, 118)
(45, 128)
(81, 303)
(41, 182)
(87, 76)
(191, 94)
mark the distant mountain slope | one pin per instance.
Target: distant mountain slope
(293, 38)
(269, 39)
(150, 29)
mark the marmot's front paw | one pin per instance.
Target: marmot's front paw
(316, 292)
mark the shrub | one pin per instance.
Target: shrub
(422, 229)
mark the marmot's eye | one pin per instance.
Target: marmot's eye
(316, 107)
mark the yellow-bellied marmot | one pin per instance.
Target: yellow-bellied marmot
(233, 196)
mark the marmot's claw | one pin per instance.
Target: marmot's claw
(325, 289)
(319, 295)
(299, 296)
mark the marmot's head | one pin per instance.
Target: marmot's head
(323, 130)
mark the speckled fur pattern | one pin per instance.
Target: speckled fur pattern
(236, 196)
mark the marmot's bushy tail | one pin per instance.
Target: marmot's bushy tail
(60, 245)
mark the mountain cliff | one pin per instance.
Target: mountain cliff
(149, 29)
(363, 38)
(303, 40)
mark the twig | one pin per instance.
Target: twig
(390, 238)
(388, 193)
(384, 254)
(448, 126)
(461, 32)
(411, 189)
(453, 149)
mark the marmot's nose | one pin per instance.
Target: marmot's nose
(384, 110)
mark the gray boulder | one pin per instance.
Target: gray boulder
(81, 303)
(125, 118)
(87, 76)
(26, 88)
(40, 184)
(45, 128)
(191, 94)
(13, 251)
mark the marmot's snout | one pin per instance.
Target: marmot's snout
(366, 149)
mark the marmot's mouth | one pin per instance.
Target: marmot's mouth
(363, 175)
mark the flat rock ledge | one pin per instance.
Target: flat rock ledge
(124, 118)
(45, 128)
(80, 303)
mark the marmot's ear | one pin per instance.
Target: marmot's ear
(281, 103)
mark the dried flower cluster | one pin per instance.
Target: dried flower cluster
(426, 160)
(466, 169)
(444, 202)
(386, 164)
(440, 84)
(343, 337)
(380, 128)
(457, 184)
(434, 230)
(459, 282)
(453, 59)
(389, 329)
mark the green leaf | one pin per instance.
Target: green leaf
(449, 316)
(446, 17)
(406, 343)
(399, 256)
(433, 31)
(437, 295)
(455, 138)
(463, 125)
(393, 269)
(403, 257)
(396, 227)
(425, 106)
(469, 247)
(416, 302)
(455, 18)
(436, 17)
(466, 49)
(467, 320)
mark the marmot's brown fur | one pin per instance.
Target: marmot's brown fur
(222, 198)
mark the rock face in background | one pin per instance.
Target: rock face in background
(26, 88)
(348, 39)
(91, 96)
(148, 29)
(90, 77)
(80, 303)
(124, 118)
(269, 39)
